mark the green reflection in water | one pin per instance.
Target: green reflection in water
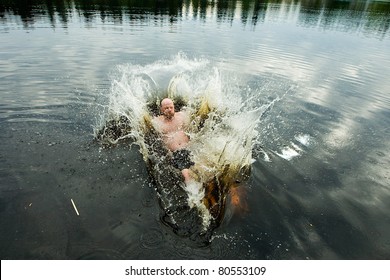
(369, 16)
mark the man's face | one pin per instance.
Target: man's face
(168, 109)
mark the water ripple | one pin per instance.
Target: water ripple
(152, 239)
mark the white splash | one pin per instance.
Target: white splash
(288, 153)
(293, 150)
(304, 139)
(228, 134)
(195, 193)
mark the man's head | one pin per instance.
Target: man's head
(167, 108)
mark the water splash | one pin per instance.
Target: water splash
(295, 149)
(224, 117)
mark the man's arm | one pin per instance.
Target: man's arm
(156, 122)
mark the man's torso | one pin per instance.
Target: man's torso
(172, 131)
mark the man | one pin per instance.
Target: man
(171, 125)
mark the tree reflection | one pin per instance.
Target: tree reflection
(369, 16)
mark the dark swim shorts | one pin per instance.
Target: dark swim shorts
(181, 159)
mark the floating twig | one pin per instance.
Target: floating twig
(75, 208)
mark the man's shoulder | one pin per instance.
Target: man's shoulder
(182, 114)
(158, 118)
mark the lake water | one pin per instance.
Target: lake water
(319, 186)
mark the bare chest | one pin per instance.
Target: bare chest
(172, 126)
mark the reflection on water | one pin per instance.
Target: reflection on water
(319, 186)
(352, 16)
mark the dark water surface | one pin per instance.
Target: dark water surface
(319, 187)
